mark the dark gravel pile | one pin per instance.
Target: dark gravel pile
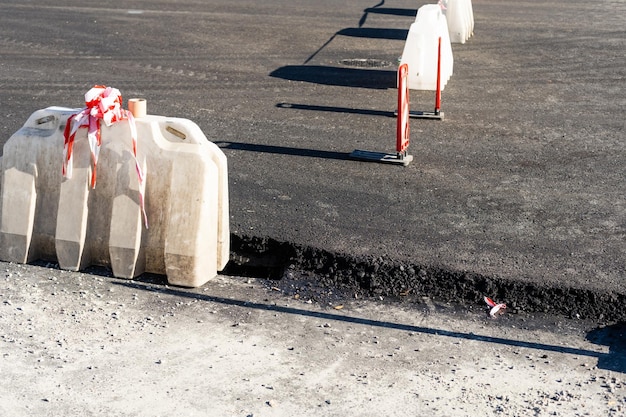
(329, 276)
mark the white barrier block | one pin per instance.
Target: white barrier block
(26, 162)
(421, 50)
(73, 212)
(46, 216)
(192, 231)
(460, 17)
(19, 210)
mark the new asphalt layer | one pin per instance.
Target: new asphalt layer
(518, 194)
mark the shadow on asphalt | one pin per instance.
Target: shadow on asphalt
(335, 109)
(389, 11)
(337, 76)
(283, 150)
(612, 336)
(615, 360)
(375, 33)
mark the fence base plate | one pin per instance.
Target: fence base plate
(426, 115)
(415, 114)
(386, 158)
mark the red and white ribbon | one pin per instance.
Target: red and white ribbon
(103, 104)
(495, 308)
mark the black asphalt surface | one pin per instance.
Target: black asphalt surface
(519, 193)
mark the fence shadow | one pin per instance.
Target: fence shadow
(283, 150)
(336, 109)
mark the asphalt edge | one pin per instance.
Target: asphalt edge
(265, 257)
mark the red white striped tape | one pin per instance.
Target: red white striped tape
(103, 104)
(496, 308)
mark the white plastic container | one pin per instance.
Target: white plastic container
(46, 216)
(421, 50)
(460, 16)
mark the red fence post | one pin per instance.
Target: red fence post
(438, 88)
(402, 130)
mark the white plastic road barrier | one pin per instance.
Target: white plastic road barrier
(421, 49)
(460, 16)
(46, 216)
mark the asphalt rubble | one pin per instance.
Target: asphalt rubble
(383, 277)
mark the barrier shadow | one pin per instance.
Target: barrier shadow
(613, 336)
(336, 109)
(337, 76)
(375, 33)
(359, 32)
(603, 358)
(283, 150)
(390, 11)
